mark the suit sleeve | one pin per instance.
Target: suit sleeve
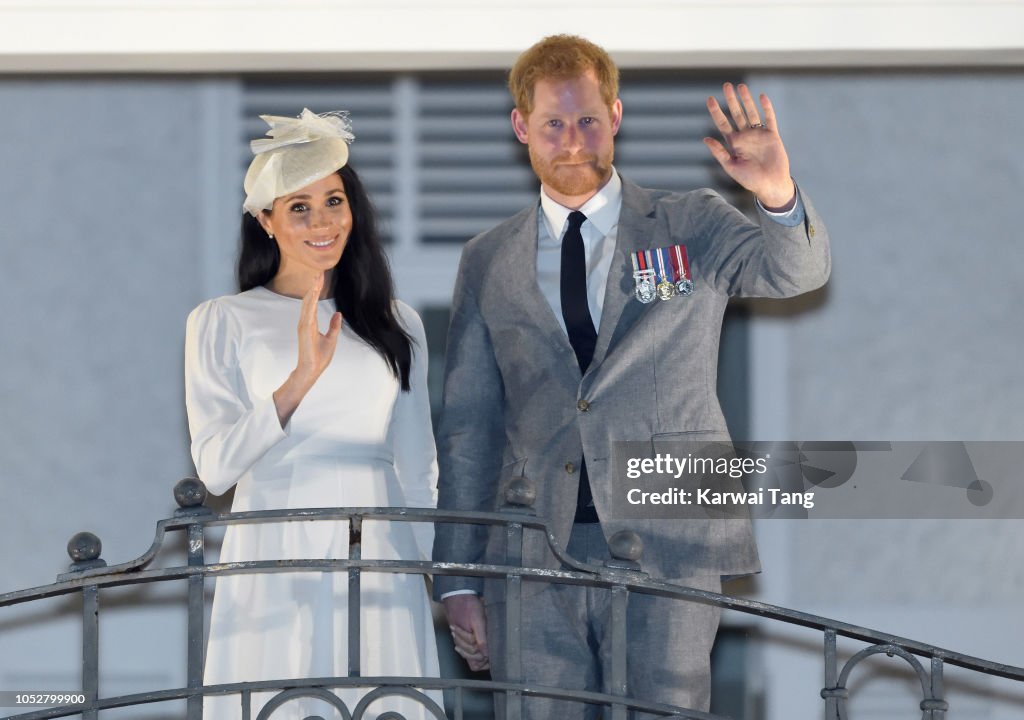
(471, 436)
(413, 436)
(763, 259)
(228, 435)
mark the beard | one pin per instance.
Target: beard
(573, 180)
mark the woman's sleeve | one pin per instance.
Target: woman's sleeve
(413, 435)
(229, 430)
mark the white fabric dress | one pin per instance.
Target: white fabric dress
(355, 440)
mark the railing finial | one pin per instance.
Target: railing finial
(626, 548)
(84, 549)
(190, 494)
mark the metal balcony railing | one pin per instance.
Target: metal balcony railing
(88, 575)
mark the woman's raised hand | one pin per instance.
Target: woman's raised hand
(315, 348)
(315, 352)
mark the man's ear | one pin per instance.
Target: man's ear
(519, 126)
(616, 115)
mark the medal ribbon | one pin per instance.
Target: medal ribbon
(660, 274)
(683, 262)
(641, 260)
(671, 264)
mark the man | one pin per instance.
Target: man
(557, 349)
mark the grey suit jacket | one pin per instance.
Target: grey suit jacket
(512, 384)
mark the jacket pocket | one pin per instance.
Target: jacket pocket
(689, 435)
(695, 443)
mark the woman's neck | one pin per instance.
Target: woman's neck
(297, 284)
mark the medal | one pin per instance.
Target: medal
(645, 290)
(643, 276)
(684, 285)
(666, 290)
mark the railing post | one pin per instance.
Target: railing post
(830, 693)
(935, 706)
(626, 549)
(84, 549)
(90, 650)
(457, 708)
(519, 499)
(355, 552)
(190, 494)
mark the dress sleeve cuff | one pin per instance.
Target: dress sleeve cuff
(265, 416)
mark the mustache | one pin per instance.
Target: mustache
(588, 158)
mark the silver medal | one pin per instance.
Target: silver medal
(645, 290)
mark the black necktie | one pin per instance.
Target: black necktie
(575, 311)
(582, 336)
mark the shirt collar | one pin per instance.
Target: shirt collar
(602, 210)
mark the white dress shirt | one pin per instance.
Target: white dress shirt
(599, 233)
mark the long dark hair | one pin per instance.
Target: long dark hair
(360, 284)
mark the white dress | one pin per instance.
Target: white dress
(355, 440)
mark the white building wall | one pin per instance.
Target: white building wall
(914, 338)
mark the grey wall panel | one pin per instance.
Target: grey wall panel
(101, 262)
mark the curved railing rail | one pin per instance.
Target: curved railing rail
(88, 574)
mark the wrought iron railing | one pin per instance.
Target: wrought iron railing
(88, 575)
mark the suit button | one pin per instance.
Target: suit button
(582, 406)
(570, 468)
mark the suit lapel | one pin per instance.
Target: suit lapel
(636, 231)
(522, 290)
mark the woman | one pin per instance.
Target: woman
(292, 417)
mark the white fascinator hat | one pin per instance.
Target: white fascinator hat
(298, 151)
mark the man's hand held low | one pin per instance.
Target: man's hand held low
(469, 629)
